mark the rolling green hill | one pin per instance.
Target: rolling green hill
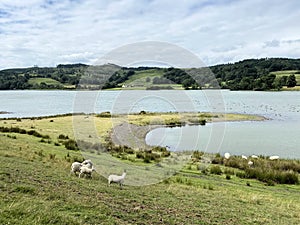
(251, 74)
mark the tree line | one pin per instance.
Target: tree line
(251, 74)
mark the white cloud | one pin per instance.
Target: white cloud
(49, 32)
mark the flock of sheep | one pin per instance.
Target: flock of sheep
(86, 169)
(250, 162)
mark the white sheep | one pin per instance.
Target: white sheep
(117, 179)
(254, 157)
(250, 163)
(86, 171)
(244, 157)
(88, 163)
(226, 155)
(75, 167)
(274, 157)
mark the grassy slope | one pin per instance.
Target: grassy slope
(138, 80)
(39, 80)
(36, 188)
(48, 81)
(288, 73)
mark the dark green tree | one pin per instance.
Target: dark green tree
(291, 81)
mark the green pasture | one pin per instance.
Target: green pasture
(36, 186)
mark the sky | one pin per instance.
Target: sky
(52, 32)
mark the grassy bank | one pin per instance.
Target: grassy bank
(37, 187)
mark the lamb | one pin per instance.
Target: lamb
(244, 157)
(254, 156)
(226, 155)
(117, 179)
(274, 157)
(75, 167)
(84, 170)
(88, 163)
(250, 163)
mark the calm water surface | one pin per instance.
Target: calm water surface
(278, 136)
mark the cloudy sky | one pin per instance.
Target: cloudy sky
(50, 32)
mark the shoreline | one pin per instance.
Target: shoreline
(134, 135)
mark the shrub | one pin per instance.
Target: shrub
(236, 163)
(61, 136)
(270, 176)
(217, 160)
(241, 175)
(202, 122)
(229, 171)
(166, 154)
(127, 150)
(105, 114)
(197, 155)
(34, 133)
(216, 170)
(147, 160)
(152, 155)
(159, 149)
(71, 144)
(140, 155)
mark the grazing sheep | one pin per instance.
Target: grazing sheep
(88, 163)
(86, 171)
(250, 163)
(75, 167)
(226, 155)
(274, 157)
(244, 157)
(254, 157)
(117, 179)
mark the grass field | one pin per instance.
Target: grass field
(37, 187)
(36, 82)
(288, 73)
(139, 80)
(39, 80)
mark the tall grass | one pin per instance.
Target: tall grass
(277, 171)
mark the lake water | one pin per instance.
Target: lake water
(278, 136)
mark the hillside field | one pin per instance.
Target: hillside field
(37, 187)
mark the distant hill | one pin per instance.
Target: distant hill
(250, 74)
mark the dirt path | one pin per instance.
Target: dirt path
(132, 135)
